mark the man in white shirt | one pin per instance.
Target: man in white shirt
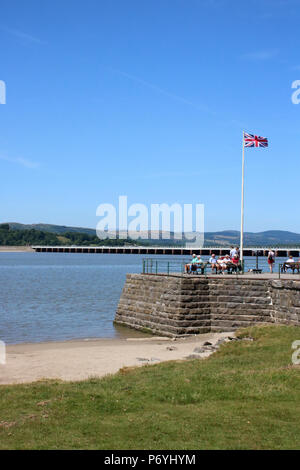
(289, 264)
(225, 262)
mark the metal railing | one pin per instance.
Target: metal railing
(171, 266)
(163, 266)
(175, 266)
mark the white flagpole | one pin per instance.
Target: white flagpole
(242, 202)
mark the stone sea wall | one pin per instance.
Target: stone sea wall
(286, 302)
(175, 305)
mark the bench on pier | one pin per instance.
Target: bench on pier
(233, 268)
(195, 267)
(230, 268)
(293, 266)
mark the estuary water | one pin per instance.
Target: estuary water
(63, 296)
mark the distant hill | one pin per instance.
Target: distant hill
(223, 238)
(51, 228)
(267, 238)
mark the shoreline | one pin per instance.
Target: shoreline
(76, 360)
(16, 249)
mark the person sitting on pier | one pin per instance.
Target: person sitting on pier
(289, 264)
(196, 265)
(213, 263)
(222, 263)
(226, 264)
(200, 264)
(236, 262)
(188, 267)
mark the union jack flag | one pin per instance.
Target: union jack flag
(255, 141)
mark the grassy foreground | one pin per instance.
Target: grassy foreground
(245, 396)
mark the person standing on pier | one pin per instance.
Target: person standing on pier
(271, 260)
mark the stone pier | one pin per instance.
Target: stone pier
(177, 305)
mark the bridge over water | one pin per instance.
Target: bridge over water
(159, 250)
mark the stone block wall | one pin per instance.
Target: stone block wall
(286, 301)
(237, 303)
(166, 305)
(175, 305)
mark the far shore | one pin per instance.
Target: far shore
(81, 359)
(15, 249)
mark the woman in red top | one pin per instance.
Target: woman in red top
(236, 260)
(271, 260)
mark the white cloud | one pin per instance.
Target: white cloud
(20, 161)
(25, 37)
(156, 88)
(261, 55)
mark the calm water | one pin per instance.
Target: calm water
(61, 296)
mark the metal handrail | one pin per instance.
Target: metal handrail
(163, 266)
(156, 266)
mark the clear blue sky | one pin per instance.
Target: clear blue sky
(149, 100)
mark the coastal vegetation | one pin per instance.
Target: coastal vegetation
(31, 236)
(10, 237)
(245, 396)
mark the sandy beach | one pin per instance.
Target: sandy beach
(79, 360)
(16, 249)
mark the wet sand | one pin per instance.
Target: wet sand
(82, 359)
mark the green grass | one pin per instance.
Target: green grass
(245, 396)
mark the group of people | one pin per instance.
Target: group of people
(218, 265)
(195, 264)
(232, 263)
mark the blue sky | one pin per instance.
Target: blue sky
(149, 100)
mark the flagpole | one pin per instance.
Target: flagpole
(242, 202)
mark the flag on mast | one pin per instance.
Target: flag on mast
(251, 140)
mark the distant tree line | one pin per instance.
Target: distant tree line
(26, 237)
(11, 237)
(38, 237)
